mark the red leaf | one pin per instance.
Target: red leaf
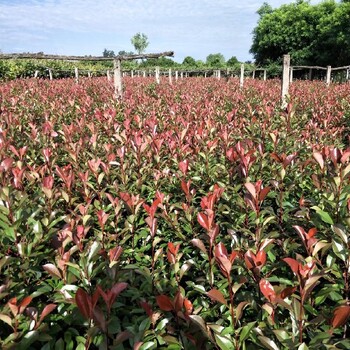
(83, 301)
(251, 188)
(116, 290)
(319, 159)
(249, 259)
(260, 258)
(203, 220)
(114, 254)
(183, 166)
(164, 302)
(301, 232)
(216, 295)
(340, 316)
(263, 193)
(178, 301)
(147, 307)
(199, 244)
(267, 289)
(52, 270)
(46, 311)
(12, 304)
(286, 292)
(293, 264)
(311, 232)
(24, 303)
(188, 306)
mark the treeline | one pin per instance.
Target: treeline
(316, 35)
(25, 68)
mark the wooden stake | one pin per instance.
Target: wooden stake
(108, 75)
(328, 78)
(285, 80)
(253, 76)
(170, 77)
(76, 71)
(157, 75)
(176, 75)
(118, 87)
(265, 74)
(241, 82)
(36, 74)
(50, 74)
(291, 75)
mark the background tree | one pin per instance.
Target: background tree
(108, 53)
(233, 61)
(312, 34)
(140, 42)
(189, 61)
(215, 60)
(125, 53)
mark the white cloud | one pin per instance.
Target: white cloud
(198, 27)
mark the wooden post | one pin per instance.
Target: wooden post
(157, 75)
(118, 87)
(176, 75)
(328, 78)
(253, 76)
(89, 74)
(144, 74)
(291, 75)
(347, 74)
(285, 80)
(265, 74)
(76, 71)
(36, 74)
(182, 75)
(205, 74)
(108, 75)
(218, 72)
(310, 74)
(132, 73)
(50, 74)
(241, 82)
(170, 77)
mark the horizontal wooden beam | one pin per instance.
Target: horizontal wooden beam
(308, 67)
(41, 56)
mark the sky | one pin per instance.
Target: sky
(193, 28)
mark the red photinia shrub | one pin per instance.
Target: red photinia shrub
(197, 215)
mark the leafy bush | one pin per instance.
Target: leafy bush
(191, 216)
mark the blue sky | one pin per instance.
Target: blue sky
(194, 28)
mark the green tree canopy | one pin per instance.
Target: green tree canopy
(312, 34)
(108, 53)
(140, 42)
(215, 60)
(189, 61)
(233, 61)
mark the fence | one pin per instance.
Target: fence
(118, 73)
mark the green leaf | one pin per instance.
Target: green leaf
(268, 343)
(94, 249)
(224, 342)
(325, 217)
(148, 345)
(246, 331)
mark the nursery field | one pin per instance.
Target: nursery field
(196, 215)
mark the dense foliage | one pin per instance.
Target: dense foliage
(313, 34)
(191, 216)
(23, 68)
